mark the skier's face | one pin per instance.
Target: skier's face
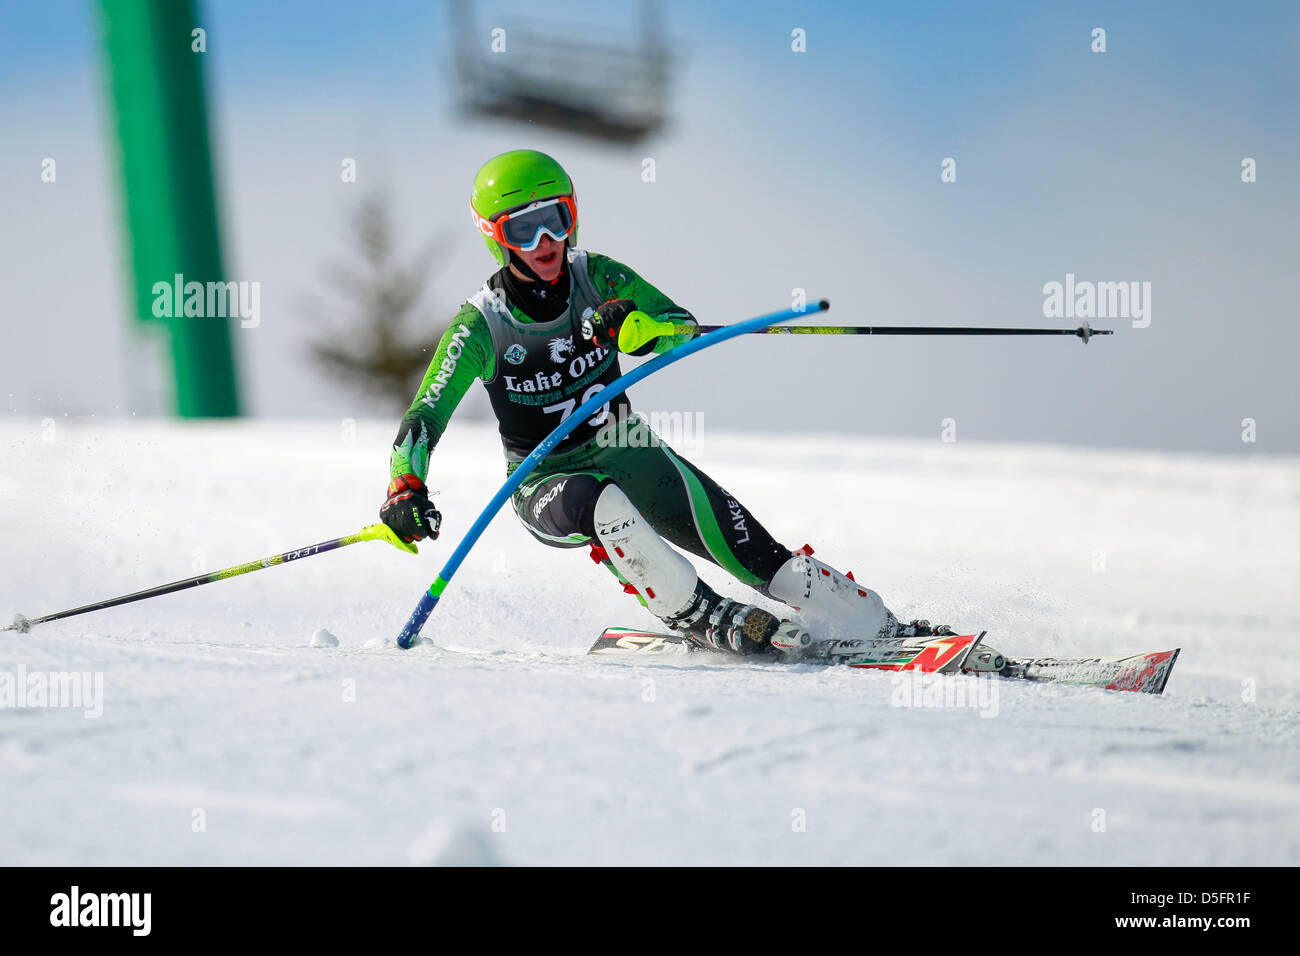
(547, 259)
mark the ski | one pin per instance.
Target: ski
(943, 654)
(946, 654)
(1143, 673)
(630, 640)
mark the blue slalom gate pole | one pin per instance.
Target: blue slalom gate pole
(429, 600)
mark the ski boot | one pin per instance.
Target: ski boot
(834, 604)
(719, 623)
(667, 584)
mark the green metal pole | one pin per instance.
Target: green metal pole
(156, 84)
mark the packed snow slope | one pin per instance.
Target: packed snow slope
(226, 739)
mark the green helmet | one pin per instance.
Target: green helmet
(511, 180)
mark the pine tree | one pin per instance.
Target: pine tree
(383, 342)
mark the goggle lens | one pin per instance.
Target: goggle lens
(523, 230)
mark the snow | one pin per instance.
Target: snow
(226, 737)
(323, 638)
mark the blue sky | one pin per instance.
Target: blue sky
(1119, 166)
(938, 62)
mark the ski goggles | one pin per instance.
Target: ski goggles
(522, 228)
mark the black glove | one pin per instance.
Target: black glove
(602, 326)
(408, 510)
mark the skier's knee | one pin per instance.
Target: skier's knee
(592, 489)
(562, 506)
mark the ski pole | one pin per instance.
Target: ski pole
(374, 532)
(429, 600)
(647, 328)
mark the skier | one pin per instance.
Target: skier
(543, 335)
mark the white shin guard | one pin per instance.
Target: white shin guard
(665, 578)
(830, 600)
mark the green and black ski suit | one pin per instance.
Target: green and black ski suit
(536, 374)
